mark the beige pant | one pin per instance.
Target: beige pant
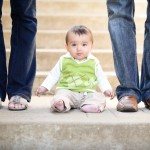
(78, 99)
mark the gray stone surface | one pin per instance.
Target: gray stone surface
(38, 128)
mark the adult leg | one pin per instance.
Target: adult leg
(3, 70)
(122, 32)
(145, 73)
(22, 63)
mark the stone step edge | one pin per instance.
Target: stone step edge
(143, 15)
(94, 51)
(45, 73)
(87, 1)
(108, 73)
(47, 31)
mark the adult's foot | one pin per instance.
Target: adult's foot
(128, 104)
(17, 103)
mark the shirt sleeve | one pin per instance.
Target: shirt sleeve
(103, 82)
(52, 77)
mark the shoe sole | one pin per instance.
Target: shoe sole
(15, 109)
(147, 106)
(127, 110)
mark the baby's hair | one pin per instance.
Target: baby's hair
(80, 30)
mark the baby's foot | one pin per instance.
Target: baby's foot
(59, 105)
(92, 108)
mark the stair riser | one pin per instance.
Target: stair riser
(58, 136)
(57, 40)
(65, 22)
(47, 60)
(98, 7)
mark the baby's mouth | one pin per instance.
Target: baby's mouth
(79, 54)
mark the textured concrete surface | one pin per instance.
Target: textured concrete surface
(38, 128)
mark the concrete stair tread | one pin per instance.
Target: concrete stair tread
(110, 73)
(61, 50)
(38, 128)
(78, 14)
(38, 111)
(56, 31)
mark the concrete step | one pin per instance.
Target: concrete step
(78, 6)
(65, 6)
(65, 21)
(81, 7)
(38, 128)
(47, 58)
(52, 39)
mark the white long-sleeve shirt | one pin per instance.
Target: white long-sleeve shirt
(54, 74)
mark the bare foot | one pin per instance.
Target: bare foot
(92, 108)
(17, 103)
(13, 106)
(59, 105)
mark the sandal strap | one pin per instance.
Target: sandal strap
(16, 99)
(19, 100)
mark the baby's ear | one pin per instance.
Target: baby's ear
(66, 47)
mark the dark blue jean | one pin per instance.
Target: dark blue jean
(22, 62)
(123, 36)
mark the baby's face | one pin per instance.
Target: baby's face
(79, 46)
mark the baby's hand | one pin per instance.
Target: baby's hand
(109, 93)
(40, 90)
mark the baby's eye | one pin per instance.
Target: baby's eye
(84, 44)
(73, 44)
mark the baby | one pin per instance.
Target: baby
(77, 74)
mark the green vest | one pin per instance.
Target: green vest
(77, 77)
